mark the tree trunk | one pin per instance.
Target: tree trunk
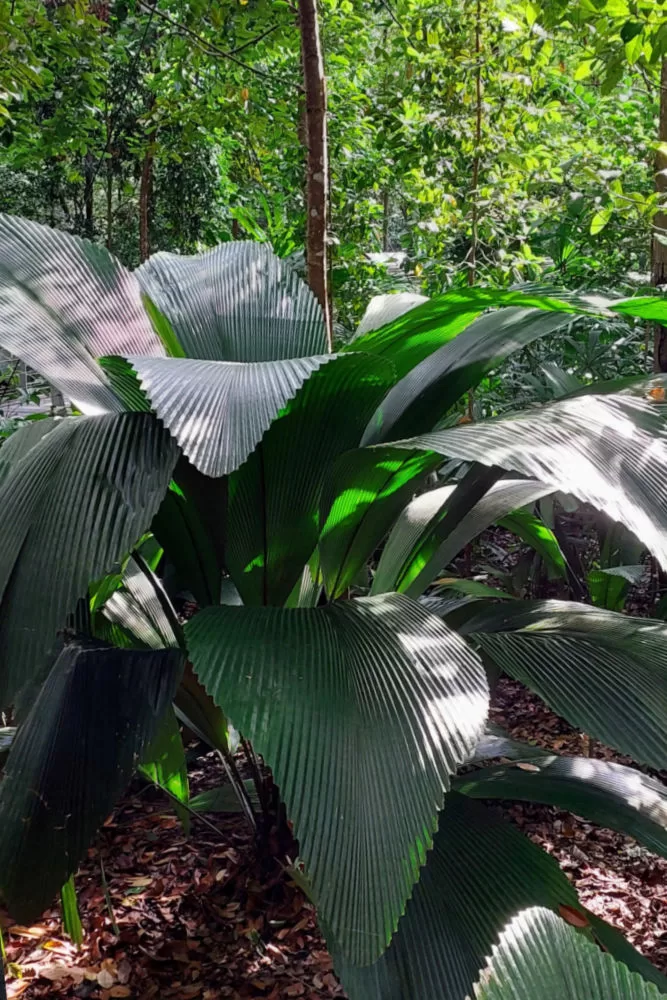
(145, 200)
(659, 254)
(474, 193)
(317, 170)
(88, 194)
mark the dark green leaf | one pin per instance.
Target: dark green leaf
(71, 759)
(480, 872)
(362, 709)
(611, 795)
(72, 508)
(274, 498)
(604, 672)
(223, 799)
(539, 955)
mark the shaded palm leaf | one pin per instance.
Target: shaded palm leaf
(606, 673)
(480, 872)
(71, 759)
(609, 794)
(274, 498)
(72, 508)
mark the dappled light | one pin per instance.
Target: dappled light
(333, 506)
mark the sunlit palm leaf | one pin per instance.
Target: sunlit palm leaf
(608, 450)
(64, 302)
(426, 538)
(71, 760)
(480, 872)
(425, 394)
(539, 955)
(238, 302)
(362, 709)
(274, 498)
(384, 309)
(609, 794)
(217, 410)
(413, 336)
(604, 672)
(363, 493)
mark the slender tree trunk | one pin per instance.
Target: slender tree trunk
(474, 194)
(385, 220)
(109, 240)
(109, 179)
(659, 249)
(145, 200)
(88, 196)
(317, 171)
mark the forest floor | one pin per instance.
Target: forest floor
(196, 917)
(168, 916)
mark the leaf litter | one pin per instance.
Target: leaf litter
(201, 918)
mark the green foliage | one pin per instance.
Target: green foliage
(366, 703)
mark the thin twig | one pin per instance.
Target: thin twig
(391, 13)
(107, 898)
(207, 46)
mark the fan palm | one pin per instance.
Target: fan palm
(217, 449)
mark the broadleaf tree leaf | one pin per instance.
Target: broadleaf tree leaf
(539, 955)
(61, 530)
(64, 302)
(480, 872)
(70, 761)
(274, 497)
(237, 302)
(218, 410)
(607, 450)
(606, 673)
(362, 709)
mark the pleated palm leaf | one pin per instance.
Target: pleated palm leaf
(218, 450)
